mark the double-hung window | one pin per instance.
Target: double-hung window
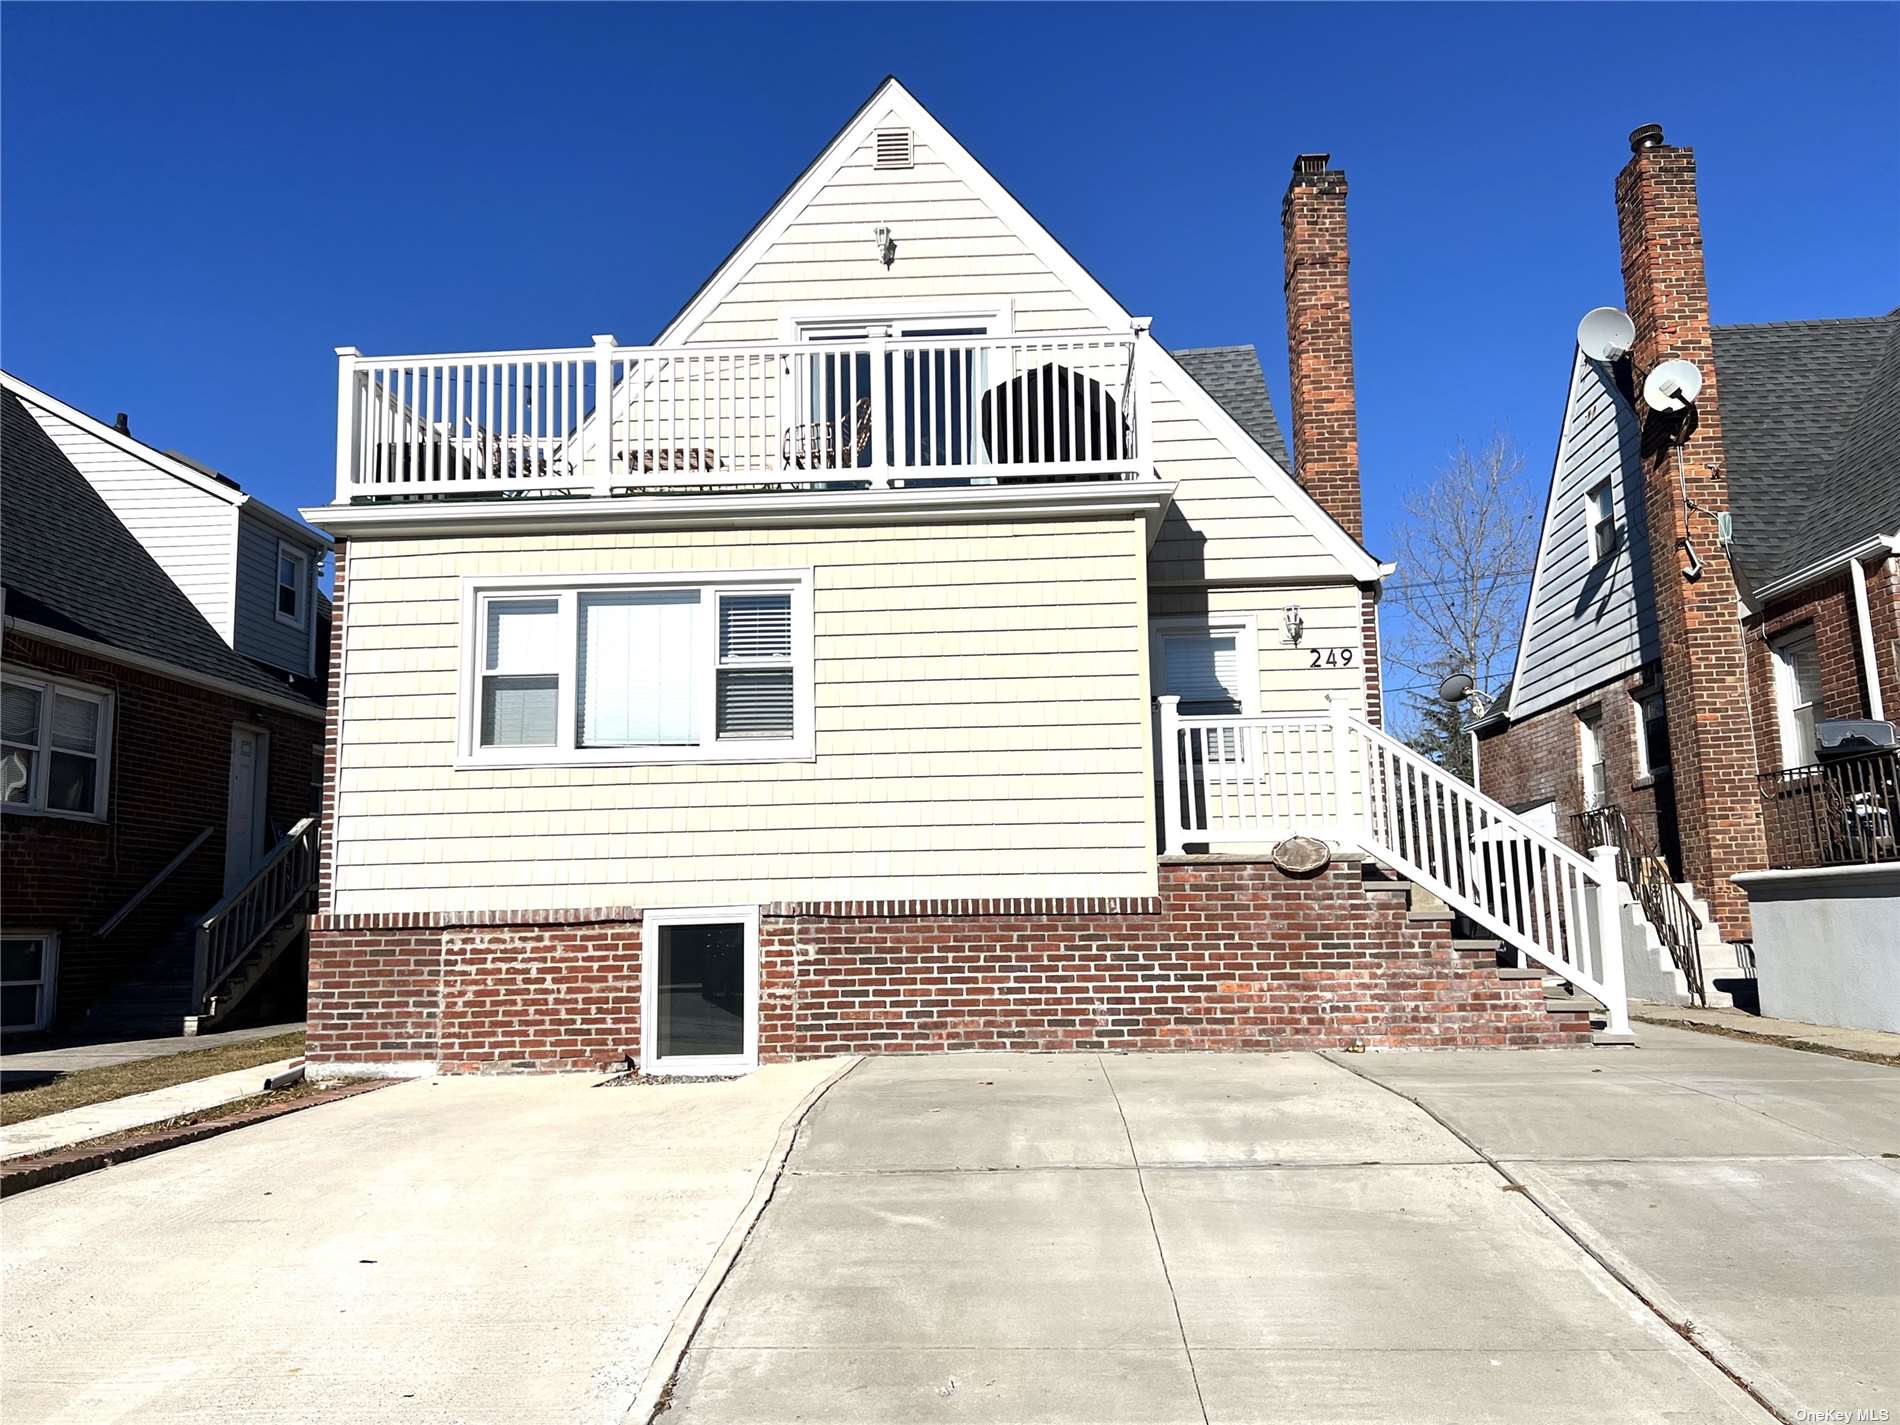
(1600, 512)
(54, 741)
(619, 670)
(1797, 695)
(1594, 771)
(1652, 735)
(293, 584)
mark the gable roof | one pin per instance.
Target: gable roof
(71, 566)
(1232, 376)
(1810, 437)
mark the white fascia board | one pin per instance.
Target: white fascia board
(1365, 567)
(1148, 498)
(157, 459)
(113, 654)
(287, 527)
(1822, 568)
(891, 94)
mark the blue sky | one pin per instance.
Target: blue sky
(201, 202)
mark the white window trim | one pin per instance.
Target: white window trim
(1596, 521)
(1643, 701)
(287, 550)
(998, 318)
(1788, 693)
(35, 805)
(707, 1064)
(1590, 741)
(1244, 628)
(48, 981)
(471, 755)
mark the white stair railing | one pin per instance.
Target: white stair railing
(1252, 779)
(233, 927)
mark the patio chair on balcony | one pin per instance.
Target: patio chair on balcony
(823, 445)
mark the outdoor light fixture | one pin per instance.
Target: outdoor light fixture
(1295, 625)
(886, 246)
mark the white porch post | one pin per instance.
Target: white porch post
(1170, 750)
(1340, 788)
(880, 406)
(1610, 940)
(599, 452)
(1857, 576)
(346, 422)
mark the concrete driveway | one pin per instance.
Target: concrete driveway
(1253, 1238)
(471, 1250)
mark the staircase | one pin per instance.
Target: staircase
(196, 978)
(1255, 779)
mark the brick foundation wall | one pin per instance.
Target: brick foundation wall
(1231, 955)
(1536, 760)
(169, 777)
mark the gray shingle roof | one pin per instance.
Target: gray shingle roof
(1810, 437)
(1232, 376)
(70, 564)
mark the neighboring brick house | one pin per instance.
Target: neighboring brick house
(1708, 586)
(148, 765)
(818, 676)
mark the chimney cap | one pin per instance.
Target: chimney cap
(1647, 136)
(1310, 163)
(123, 425)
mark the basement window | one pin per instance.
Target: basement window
(26, 981)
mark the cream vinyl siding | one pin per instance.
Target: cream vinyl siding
(981, 721)
(1288, 681)
(1588, 620)
(190, 533)
(950, 244)
(1225, 524)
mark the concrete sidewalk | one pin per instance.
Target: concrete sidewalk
(120, 1115)
(1280, 1238)
(508, 1250)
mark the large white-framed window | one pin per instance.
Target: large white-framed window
(1591, 766)
(293, 584)
(29, 973)
(1797, 694)
(1599, 512)
(607, 670)
(55, 746)
(699, 990)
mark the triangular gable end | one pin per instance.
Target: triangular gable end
(958, 232)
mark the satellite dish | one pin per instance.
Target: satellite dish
(1456, 688)
(1672, 386)
(1605, 334)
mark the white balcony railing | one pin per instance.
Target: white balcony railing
(830, 415)
(1251, 780)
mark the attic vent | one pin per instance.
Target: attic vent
(893, 148)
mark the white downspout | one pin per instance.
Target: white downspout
(1857, 576)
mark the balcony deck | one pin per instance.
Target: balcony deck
(816, 416)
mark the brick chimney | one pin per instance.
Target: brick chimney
(1319, 339)
(1718, 807)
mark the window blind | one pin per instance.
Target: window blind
(637, 683)
(755, 695)
(1203, 670)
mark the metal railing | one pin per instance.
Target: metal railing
(117, 918)
(1647, 875)
(235, 926)
(1251, 779)
(609, 419)
(1844, 812)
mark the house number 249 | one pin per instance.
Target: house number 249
(1331, 657)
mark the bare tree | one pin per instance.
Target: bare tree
(1464, 557)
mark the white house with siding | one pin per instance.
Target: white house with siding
(905, 586)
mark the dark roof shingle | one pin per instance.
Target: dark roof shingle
(70, 564)
(1810, 437)
(1232, 376)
